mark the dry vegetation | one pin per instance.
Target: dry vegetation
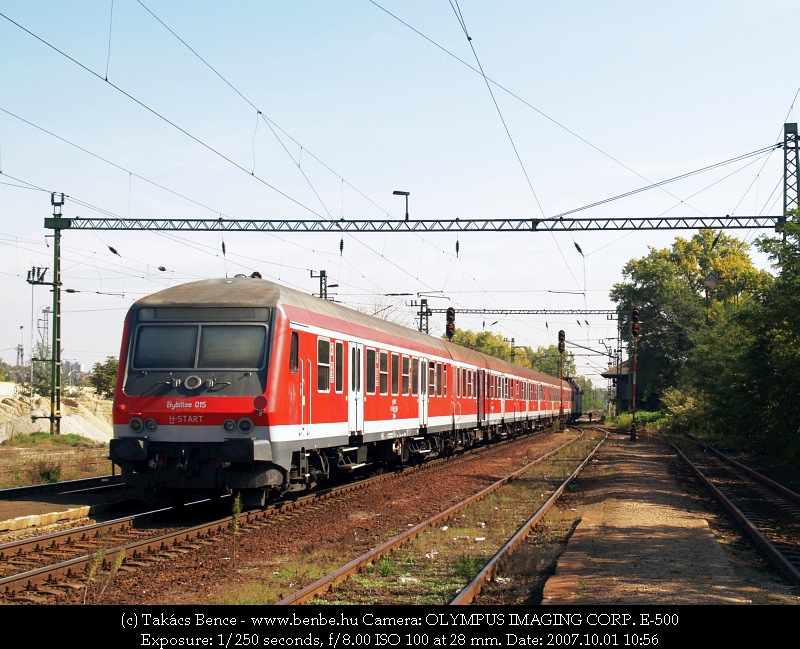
(29, 454)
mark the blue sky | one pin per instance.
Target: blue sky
(312, 109)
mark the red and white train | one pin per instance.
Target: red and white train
(244, 385)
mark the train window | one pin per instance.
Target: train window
(323, 365)
(293, 354)
(395, 373)
(231, 346)
(431, 379)
(339, 366)
(384, 372)
(439, 381)
(415, 377)
(208, 314)
(444, 380)
(163, 346)
(219, 347)
(370, 371)
(457, 386)
(406, 381)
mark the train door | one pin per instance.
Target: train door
(481, 395)
(304, 365)
(503, 385)
(422, 386)
(355, 395)
(299, 378)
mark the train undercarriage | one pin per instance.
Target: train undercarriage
(170, 472)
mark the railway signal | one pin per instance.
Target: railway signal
(450, 328)
(635, 322)
(561, 339)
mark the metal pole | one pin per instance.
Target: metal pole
(561, 383)
(633, 395)
(55, 364)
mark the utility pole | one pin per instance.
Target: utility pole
(561, 340)
(424, 312)
(57, 223)
(323, 283)
(791, 196)
(635, 334)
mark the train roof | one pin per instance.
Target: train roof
(254, 292)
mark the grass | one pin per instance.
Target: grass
(38, 458)
(41, 439)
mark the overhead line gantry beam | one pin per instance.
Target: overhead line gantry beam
(421, 225)
(605, 312)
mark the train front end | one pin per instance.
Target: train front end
(192, 405)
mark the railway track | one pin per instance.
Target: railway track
(768, 512)
(452, 556)
(67, 486)
(52, 568)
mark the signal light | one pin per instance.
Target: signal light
(635, 322)
(450, 327)
(561, 339)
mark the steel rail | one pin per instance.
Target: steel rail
(325, 583)
(468, 594)
(784, 491)
(772, 552)
(66, 486)
(45, 579)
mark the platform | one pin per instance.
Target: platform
(642, 539)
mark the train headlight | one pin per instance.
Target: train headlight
(136, 424)
(245, 425)
(193, 382)
(229, 425)
(150, 424)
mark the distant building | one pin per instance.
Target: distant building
(75, 367)
(619, 375)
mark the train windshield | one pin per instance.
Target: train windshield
(200, 346)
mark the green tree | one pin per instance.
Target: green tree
(42, 370)
(544, 359)
(721, 380)
(548, 359)
(104, 376)
(677, 303)
(484, 342)
(775, 351)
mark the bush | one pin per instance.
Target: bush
(43, 472)
(645, 420)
